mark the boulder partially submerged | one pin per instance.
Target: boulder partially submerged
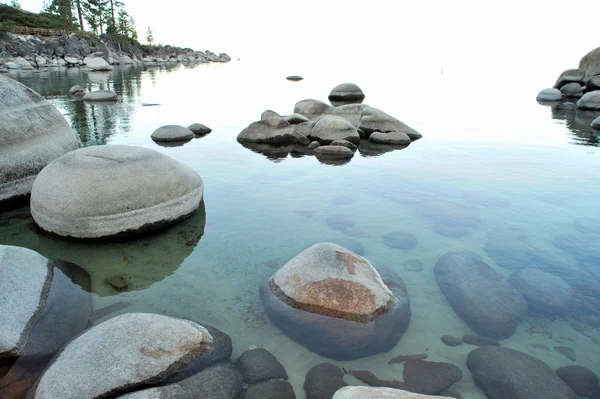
(107, 191)
(335, 303)
(32, 134)
(101, 95)
(346, 93)
(170, 133)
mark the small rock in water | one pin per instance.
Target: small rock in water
(323, 380)
(404, 358)
(272, 263)
(199, 129)
(400, 240)
(540, 346)
(413, 265)
(429, 378)
(295, 78)
(479, 340)
(451, 340)
(340, 222)
(566, 352)
(259, 365)
(118, 282)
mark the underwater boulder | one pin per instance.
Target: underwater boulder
(101, 95)
(32, 134)
(335, 303)
(113, 191)
(506, 373)
(480, 296)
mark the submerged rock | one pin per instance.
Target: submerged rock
(25, 279)
(346, 93)
(400, 240)
(128, 351)
(479, 295)
(270, 390)
(32, 134)
(581, 380)
(550, 95)
(106, 191)
(545, 293)
(258, 365)
(323, 380)
(172, 133)
(429, 378)
(335, 303)
(101, 95)
(506, 373)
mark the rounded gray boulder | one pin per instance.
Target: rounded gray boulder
(570, 76)
(77, 90)
(101, 95)
(596, 123)
(549, 94)
(128, 351)
(273, 131)
(346, 93)
(25, 280)
(335, 303)
(311, 108)
(172, 133)
(393, 138)
(107, 191)
(331, 128)
(32, 134)
(375, 120)
(199, 129)
(573, 89)
(590, 101)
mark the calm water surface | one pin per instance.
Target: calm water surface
(489, 153)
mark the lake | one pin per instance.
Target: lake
(516, 170)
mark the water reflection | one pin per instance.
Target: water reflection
(577, 121)
(139, 263)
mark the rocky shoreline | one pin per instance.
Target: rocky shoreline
(96, 53)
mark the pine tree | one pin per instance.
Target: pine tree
(149, 36)
(64, 9)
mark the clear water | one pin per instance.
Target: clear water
(492, 151)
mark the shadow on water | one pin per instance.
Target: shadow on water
(140, 262)
(577, 121)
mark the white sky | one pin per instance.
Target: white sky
(459, 33)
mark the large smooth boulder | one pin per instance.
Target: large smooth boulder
(335, 303)
(221, 381)
(97, 64)
(332, 128)
(545, 293)
(503, 373)
(590, 100)
(570, 76)
(380, 393)
(549, 94)
(590, 63)
(101, 95)
(273, 131)
(125, 352)
(25, 279)
(258, 365)
(311, 108)
(107, 191)
(170, 133)
(581, 380)
(480, 296)
(346, 93)
(32, 134)
(375, 120)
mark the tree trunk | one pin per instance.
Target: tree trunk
(112, 12)
(80, 12)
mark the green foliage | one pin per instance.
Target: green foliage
(26, 18)
(64, 10)
(9, 26)
(149, 36)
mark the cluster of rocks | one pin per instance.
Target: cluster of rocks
(330, 132)
(335, 303)
(176, 135)
(19, 52)
(581, 86)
